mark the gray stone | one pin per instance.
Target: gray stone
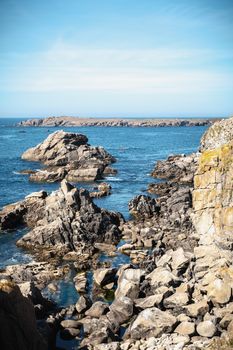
(152, 322)
(206, 329)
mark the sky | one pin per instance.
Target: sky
(116, 58)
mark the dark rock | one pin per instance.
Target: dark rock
(17, 320)
(142, 207)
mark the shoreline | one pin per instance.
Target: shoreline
(114, 122)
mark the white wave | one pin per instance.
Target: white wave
(114, 179)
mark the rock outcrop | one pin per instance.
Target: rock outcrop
(18, 329)
(218, 135)
(68, 155)
(76, 121)
(65, 220)
(213, 187)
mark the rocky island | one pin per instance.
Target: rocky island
(68, 156)
(109, 122)
(176, 291)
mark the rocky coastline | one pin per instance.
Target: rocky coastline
(108, 122)
(176, 291)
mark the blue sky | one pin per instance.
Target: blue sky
(152, 58)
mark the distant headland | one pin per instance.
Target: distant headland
(109, 122)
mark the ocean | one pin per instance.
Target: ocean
(136, 149)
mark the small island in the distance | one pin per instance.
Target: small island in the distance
(77, 121)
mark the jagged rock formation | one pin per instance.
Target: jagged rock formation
(76, 121)
(68, 155)
(65, 220)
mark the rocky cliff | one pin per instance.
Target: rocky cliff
(213, 195)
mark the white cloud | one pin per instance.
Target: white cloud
(68, 68)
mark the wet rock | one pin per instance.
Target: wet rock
(52, 287)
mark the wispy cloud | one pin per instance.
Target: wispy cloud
(64, 67)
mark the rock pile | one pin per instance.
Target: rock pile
(68, 155)
(165, 221)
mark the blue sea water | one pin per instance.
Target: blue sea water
(136, 150)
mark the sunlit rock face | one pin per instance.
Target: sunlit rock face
(213, 187)
(68, 155)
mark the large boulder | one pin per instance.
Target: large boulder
(68, 155)
(151, 322)
(17, 320)
(129, 283)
